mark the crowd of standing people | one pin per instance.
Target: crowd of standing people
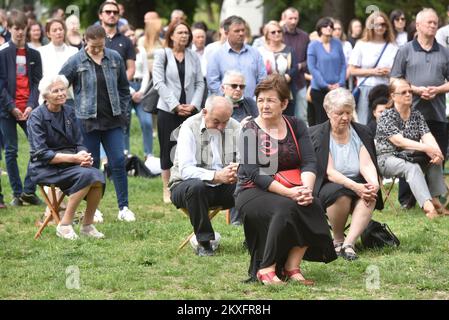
(268, 128)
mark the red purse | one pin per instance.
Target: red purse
(290, 178)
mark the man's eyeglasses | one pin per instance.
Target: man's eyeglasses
(276, 31)
(403, 93)
(235, 86)
(109, 12)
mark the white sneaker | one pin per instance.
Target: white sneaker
(66, 232)
(98, 216)
(126, 215)
(91, 231)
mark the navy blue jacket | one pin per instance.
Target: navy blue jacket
(8, 53)
(47, 137)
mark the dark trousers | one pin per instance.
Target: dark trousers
(317, 100)
(8, 127)
(197, 198)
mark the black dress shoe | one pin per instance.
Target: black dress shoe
(30, 198)
(16, 202)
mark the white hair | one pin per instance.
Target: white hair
(338, 98)
(232, 73)
(213, 100)
(47, 82)
(423, 12)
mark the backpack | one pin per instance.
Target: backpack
(378, 235)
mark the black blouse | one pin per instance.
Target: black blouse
(261, 156)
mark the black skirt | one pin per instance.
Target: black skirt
(330, 192)
(275, 224)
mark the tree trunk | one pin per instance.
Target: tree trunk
(344, 10)
(136, 9)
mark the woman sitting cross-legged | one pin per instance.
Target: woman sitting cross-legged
(282, 224)
(400, 128)
(59, 158)
(347, 179)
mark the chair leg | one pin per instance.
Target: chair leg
(212, 214)
(228, 216)
(54, 208)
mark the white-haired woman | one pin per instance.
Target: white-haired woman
(59, 158)
(347, 180)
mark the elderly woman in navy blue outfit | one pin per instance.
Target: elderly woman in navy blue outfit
(58, 157)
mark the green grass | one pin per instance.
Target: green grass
(139, 260)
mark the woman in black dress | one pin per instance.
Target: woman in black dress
(282, 225)
(58, 157)
(348, 177)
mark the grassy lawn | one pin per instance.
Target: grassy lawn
(140, 260)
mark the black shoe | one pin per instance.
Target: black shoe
(16, 202)
(30, 198)
(204, 249)
(348, 255)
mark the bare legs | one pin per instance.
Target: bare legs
(92, 194)
(293, 262)
(165, 174)
(338, 214)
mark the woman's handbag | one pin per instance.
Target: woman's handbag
(150, 97)
(356, 90)
(290, 178)
(378, 235)
(414, 156)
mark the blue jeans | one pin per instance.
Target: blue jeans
(9, 132)
(112, 141)
(146, 124)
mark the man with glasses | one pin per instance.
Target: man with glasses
(109, 17)
(235, 54)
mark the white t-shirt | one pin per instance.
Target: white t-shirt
(401, 38)
(347, 50)
(442, 36)
(365, 55)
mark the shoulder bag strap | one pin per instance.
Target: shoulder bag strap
(377, 62)
(293, 134)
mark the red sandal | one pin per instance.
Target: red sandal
(291, 273)
(268, 278)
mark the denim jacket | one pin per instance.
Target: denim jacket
(80, 71)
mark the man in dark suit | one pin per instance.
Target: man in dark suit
(20, 73)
